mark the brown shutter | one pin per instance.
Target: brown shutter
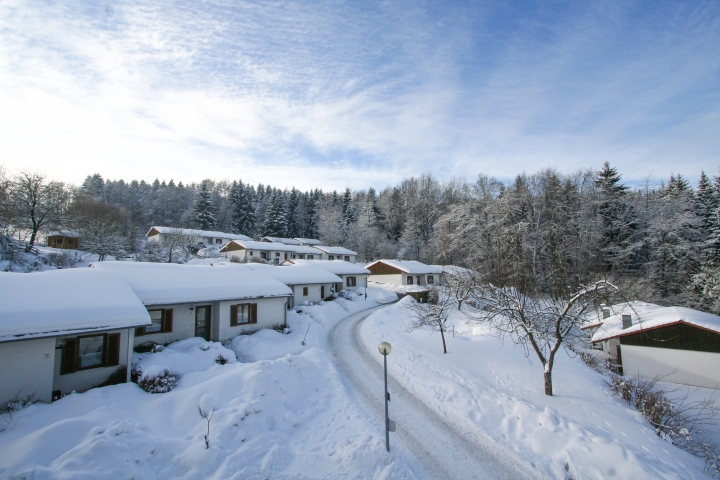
(68, 356)
(113, 350)
(139, 331)
(167, 320)
(233, 315)
(253, 312)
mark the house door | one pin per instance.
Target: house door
(202, 321)
(417, 280)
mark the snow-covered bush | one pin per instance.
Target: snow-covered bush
(159, 382)
(17, 403)
(220, 360)
(64, 259)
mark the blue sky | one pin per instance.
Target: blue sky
(358, 94)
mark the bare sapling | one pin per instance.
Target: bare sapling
(434, 314)
(206, 407)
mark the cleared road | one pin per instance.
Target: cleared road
(442, 449)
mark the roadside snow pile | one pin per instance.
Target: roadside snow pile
(287, 415)
(492, 390)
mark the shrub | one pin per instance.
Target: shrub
(221, 360)
(281, 328)
(63, 260)
(17, 403)
(163, 382)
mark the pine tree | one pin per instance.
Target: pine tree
(203, 211)
(616, 216)
(275, 221)
(705, 203)
(293, 229)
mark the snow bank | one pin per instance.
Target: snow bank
(493, 391)
(189, 355)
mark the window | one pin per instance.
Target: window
(91, 351)
(243, 314)
(300, 256)
(251, 253)
(277, 254)
(294, 256)
(410, 280)
(162, 322)
(331, 257)
(322, 291)
(310, 257)
(263, 255)
(431, 279)
(71, 241)
(218, 240)
(351, 281)
(347, 258)
(305, 291)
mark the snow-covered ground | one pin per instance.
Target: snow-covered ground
(282, 411)
(490, 388)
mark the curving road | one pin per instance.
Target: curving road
(439, 447)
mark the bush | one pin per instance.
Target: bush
(17, 403)
(63, 260)
(281, 328)
(163, 382)
(221, 360)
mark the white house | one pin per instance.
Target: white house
(353, 276)
(336, 253)
(307, 282)
(310, 242)
(64, 330)
(303, 252)
(204, 237)
(213, 302)
(247, 250)
(404, 272)
(676, 344)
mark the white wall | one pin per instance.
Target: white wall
(313, 293)
(86, 379)
(396, 278)
(26, 367)
(700, 369)
(359, 281)
(183, 325)
(270, 311)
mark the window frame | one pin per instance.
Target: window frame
(306, 291)
(103, 362)
(410, 280)
(166, 323)
(351, 281)
(431, 279)
(252, 314)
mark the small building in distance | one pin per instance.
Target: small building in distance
(309, 242)
(404, 272)
(248, 251)
(64, 239)
(353, 276)
(284, 241)
(336, 253)
(673, 344)
(202, 238)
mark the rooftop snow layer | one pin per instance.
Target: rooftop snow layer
(286, 241)
(647, 316)
(264, 246)
(308, 241)
(303, 249)
(338, 267)
(201, 233)
(335, 250)
(297, 275)
(63, 302)
(167, 283)
(410, 266)
(63, 233)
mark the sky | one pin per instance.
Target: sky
(334, 94)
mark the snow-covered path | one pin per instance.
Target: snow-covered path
(440, 448)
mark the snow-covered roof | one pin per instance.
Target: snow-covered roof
(166, 283)
(303, 249)
(335, 250)
(297, 275)
(338, 267)
(454, 270)
(410, 266)
(63, 233)
(200, 233)
(635, 308)
(286, 241)
(308, 241)
(64, 302)
(262, 246)
(646, 316)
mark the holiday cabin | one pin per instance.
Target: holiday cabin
(63, 239)
(404, 272)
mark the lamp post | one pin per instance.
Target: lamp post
(365, 277)
(385, 349)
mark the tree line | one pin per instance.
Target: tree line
(546, 232)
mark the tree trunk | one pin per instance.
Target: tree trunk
(442, 334)
(548, 382)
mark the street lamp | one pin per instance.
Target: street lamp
(385, 349)
(365, 277)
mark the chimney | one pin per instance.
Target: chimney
(605, 313)
(627, 321)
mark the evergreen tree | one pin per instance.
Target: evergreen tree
(616, 215)
(93, 186)
(203, 210)
(293, 203)
(275, 221)
(705, 203)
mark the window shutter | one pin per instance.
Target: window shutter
(233, 315)
(253, 312)
(68, 356)
(139, 331)
(167, 320)
(113, 350)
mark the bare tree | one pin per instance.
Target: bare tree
(37, 202)
(102, 227)
(176, 242)
(434, 314)
(541, 323)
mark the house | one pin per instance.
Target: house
(307, 282)
(309, 242)
(198, 237)
(213, 302)
(65, 239)
(303, 252)
(246, 251)
(64, 330)
(404, 272)
(675, 344)
(284, 241)
(336, 253)
(353, 276)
